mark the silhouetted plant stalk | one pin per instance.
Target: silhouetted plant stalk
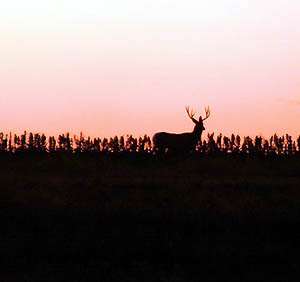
(212, 145)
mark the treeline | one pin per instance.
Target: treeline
(40, 143)
(275, 145)
(235, 144)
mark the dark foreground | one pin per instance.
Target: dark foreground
(67, 218)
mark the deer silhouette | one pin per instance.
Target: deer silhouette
(184, 142)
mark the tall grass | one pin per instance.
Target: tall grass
(220, 145)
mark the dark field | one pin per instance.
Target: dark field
(136, 218)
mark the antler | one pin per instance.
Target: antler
(207, 113)
(191, 113)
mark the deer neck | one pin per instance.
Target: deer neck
(197, 132)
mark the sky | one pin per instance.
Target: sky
(131, 66)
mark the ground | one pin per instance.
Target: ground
(139, 218)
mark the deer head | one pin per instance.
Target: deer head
(199, 127)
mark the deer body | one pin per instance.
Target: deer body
(183, 142)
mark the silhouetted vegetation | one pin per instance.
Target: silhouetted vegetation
(212, 145)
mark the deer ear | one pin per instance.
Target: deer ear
(200, 119)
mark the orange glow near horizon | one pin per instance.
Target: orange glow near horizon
(130, 67)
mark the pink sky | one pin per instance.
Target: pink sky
(121, 67)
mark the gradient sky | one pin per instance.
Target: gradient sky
(131, 66)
